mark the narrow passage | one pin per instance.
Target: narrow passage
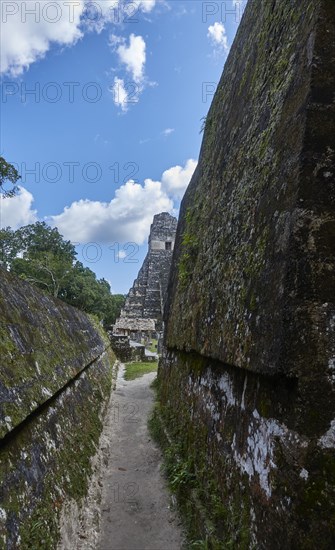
(136, 505)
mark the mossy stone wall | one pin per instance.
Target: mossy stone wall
(247, 381)
(254, 256)
(44, 343)
(254, 479)
(56, 374)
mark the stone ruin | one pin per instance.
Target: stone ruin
(247, 379)
(142, 314)
(56, 375)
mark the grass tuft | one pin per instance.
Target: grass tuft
(136, 370)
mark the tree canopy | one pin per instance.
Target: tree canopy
(39, 254)
(8, 175)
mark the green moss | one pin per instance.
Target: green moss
(7, 346)
(190, 245)
(62, 445)
(253, 302)
(38, 337)
(212, 518)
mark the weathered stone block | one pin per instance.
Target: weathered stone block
(248, 376)
(44, 343)
(56, 369)
(254, 261)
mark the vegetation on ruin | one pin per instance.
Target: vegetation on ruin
(189, 250)
(210, 522)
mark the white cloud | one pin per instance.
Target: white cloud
(26, 37)
(114, 40)
(168, 131)
(133, 57)
(30, 28)
(146, 5)
(120, 94)
(17, 211)
(127, 217)
(217, 34)
(176, 179)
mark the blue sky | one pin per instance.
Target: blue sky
(101, 107)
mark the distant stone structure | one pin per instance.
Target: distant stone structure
(143, 310)
(127, 326)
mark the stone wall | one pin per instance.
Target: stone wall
(248, 374)
(254, 251)
(263, 482)
(56, 371)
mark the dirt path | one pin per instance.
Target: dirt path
(136, 513)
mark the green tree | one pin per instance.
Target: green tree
(114, 309)
(40, 237)
(86, 292)
(8, 174)
(47, 260)
(40, 255)
(10, 247)
(81, 289)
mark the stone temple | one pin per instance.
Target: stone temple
(143, 311)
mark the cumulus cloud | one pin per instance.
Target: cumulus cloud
(17, 211)
(133, 57)
(127, 217)
(30, 28)
(146, 5)
(176, 179)
(218, 36)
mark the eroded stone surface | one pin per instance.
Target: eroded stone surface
(247, 381)
(253, 280)
(56, 372)
(44, 343)
(48, 462)
(275, 481)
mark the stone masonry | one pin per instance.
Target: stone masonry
(144, 304)
(247, 379)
